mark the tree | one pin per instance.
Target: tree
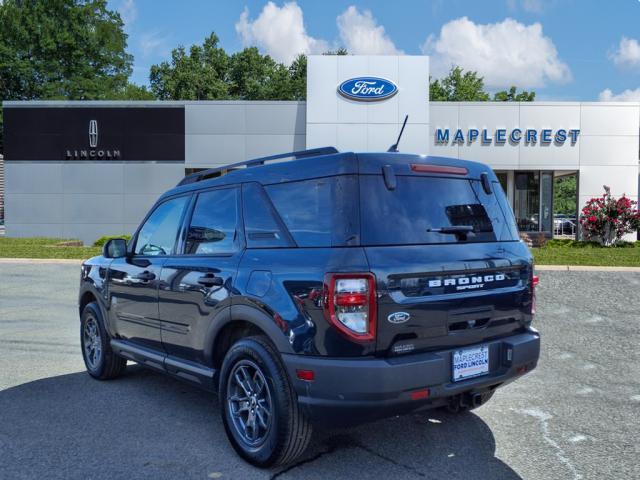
(564, 195)
(200, 74)
(461, 86)
(458, 87)
(298, 74)
(253, 76)
(207, 72)
(62, 49)
(339, 51)
(513, 96)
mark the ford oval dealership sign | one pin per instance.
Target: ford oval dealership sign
(367, 89)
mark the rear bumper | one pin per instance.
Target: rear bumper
(351, 391)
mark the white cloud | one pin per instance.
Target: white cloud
(151, 43)
(627, 54)
(279, 32)
(505, 53)
(361, 34)
(128, 11)
(627, 96)
(531, 6)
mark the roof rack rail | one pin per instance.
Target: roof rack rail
(211, 172)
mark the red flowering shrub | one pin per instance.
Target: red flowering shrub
(606, 219)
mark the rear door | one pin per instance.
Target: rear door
(438, 289)
(196, 285)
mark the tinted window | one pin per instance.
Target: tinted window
(320, 212)
(405, 215)
(261, 224)
(213, 226)
(158, 234)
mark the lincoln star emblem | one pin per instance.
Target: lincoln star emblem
(93, 133)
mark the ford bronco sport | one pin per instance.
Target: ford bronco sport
(335, 288)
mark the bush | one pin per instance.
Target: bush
(102, 240)
(606, 219)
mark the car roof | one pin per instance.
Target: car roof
(341, 163)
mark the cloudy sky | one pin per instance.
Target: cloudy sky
(563, 49)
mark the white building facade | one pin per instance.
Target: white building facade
(87, 169)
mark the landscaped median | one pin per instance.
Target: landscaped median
(570, 252)
(45, 248)
(554, 252)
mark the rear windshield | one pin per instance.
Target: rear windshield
(419, 204)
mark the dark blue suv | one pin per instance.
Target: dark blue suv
(335, 288)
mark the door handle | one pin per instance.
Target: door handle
(210, 280)
(145, 276)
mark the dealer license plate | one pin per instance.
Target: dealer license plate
(470, 362)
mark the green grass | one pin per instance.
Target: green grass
(570, 252)
(555, 252)
(43, 248)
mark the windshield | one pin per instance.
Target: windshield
(425, 210)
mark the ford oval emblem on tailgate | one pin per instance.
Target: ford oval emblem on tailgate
(398, 317)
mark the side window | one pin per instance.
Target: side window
(320, 212)
(158, 234)
(261, 226)
(213, 226)
(305, 209)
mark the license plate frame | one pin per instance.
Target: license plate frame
(469, 363)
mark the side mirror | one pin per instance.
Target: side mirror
(115, 248)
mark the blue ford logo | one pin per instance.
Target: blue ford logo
(398, 317)
(367, 89)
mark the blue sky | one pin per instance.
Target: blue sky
(562, 49)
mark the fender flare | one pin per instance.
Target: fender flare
(245, 313)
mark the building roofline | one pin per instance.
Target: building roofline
(138, 103)
(540, 104)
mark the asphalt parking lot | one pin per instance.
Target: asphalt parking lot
(576, 416)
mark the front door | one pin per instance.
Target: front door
(196, 286)
(133, 280)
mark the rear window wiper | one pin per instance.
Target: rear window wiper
(460, 231)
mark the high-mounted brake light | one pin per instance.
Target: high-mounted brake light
(426, 168)
(350, 304)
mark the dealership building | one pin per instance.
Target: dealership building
(91, 168)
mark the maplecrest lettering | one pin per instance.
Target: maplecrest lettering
(501, 136)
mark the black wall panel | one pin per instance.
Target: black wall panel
(124, 133)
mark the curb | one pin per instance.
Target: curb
(41, 260)
(584, 268)
(542, 268)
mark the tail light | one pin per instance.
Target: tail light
(534, 283)
(350, 304)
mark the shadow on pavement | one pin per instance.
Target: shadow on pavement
(146, 425)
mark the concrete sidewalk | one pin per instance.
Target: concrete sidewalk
(41, 260)
(585, 268)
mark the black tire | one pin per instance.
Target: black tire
(287, 432)
(99, 359)
(457, 408)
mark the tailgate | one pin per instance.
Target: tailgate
(441, 296)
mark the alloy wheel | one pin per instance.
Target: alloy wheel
(249, 402)
(92, 342)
